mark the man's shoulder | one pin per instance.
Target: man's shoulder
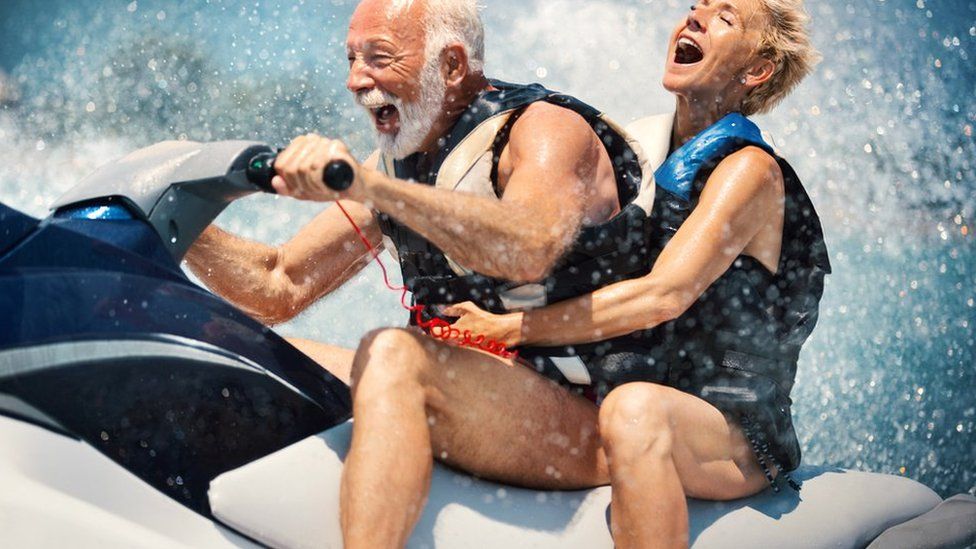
(543, 122)
(544, 112)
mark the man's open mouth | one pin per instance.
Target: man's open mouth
(387, 118)
(687, 52)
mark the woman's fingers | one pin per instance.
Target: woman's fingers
(458, 310)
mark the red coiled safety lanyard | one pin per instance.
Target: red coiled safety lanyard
(437, 328)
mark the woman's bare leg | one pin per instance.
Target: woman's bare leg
(663, 445)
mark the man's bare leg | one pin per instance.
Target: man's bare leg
(414, 398)
(664, 445)
(336, 360)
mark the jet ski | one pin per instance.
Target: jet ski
(138, 409)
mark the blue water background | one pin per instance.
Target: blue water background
(882, 134)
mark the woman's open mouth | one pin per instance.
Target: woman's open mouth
(687, 52)
(386, 118)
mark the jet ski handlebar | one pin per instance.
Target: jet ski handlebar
(338, 174)
(180, 187)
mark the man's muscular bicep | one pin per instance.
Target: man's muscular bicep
(550, 166)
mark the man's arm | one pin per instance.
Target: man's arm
(554, 157)
(276, 284)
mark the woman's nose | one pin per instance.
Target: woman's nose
(694, 23)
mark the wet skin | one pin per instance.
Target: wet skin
(415, 398)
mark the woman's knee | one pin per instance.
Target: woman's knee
(635, 419)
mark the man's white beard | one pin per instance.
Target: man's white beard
(416, 118)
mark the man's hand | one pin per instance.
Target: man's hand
(301, 165)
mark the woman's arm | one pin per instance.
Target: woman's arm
(742, 198)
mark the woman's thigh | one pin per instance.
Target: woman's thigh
(712, 455)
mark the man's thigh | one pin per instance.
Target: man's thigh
(504, 422)
(336, 360)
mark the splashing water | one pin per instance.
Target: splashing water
(882, 133)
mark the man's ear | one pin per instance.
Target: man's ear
(454, 64)
(759, 73)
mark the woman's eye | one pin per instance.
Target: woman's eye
(727, 21)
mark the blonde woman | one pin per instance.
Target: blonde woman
(692, 365)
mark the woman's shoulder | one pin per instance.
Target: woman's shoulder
(750, 166)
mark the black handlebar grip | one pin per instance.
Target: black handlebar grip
(260, 171)
(338, 175)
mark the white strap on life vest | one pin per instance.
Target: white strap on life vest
(654, 135)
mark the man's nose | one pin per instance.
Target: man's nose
(359, 78)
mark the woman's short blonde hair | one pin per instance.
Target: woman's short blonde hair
(786, 42)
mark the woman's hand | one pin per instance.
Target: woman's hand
(506, 329)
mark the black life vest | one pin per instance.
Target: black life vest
(748, 311)
(601, 255)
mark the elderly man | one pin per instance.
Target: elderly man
(517, 206)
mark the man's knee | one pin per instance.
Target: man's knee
(392, 354)
(635, 420)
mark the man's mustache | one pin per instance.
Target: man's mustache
(375, 98)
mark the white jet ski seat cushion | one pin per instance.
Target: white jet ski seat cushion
(290, 499)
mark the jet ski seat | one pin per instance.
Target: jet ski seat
(290, 499)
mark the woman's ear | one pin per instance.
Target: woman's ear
(454, 64)
(759, 73)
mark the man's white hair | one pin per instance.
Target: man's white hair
(447, 22)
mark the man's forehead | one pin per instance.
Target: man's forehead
(371, 22)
